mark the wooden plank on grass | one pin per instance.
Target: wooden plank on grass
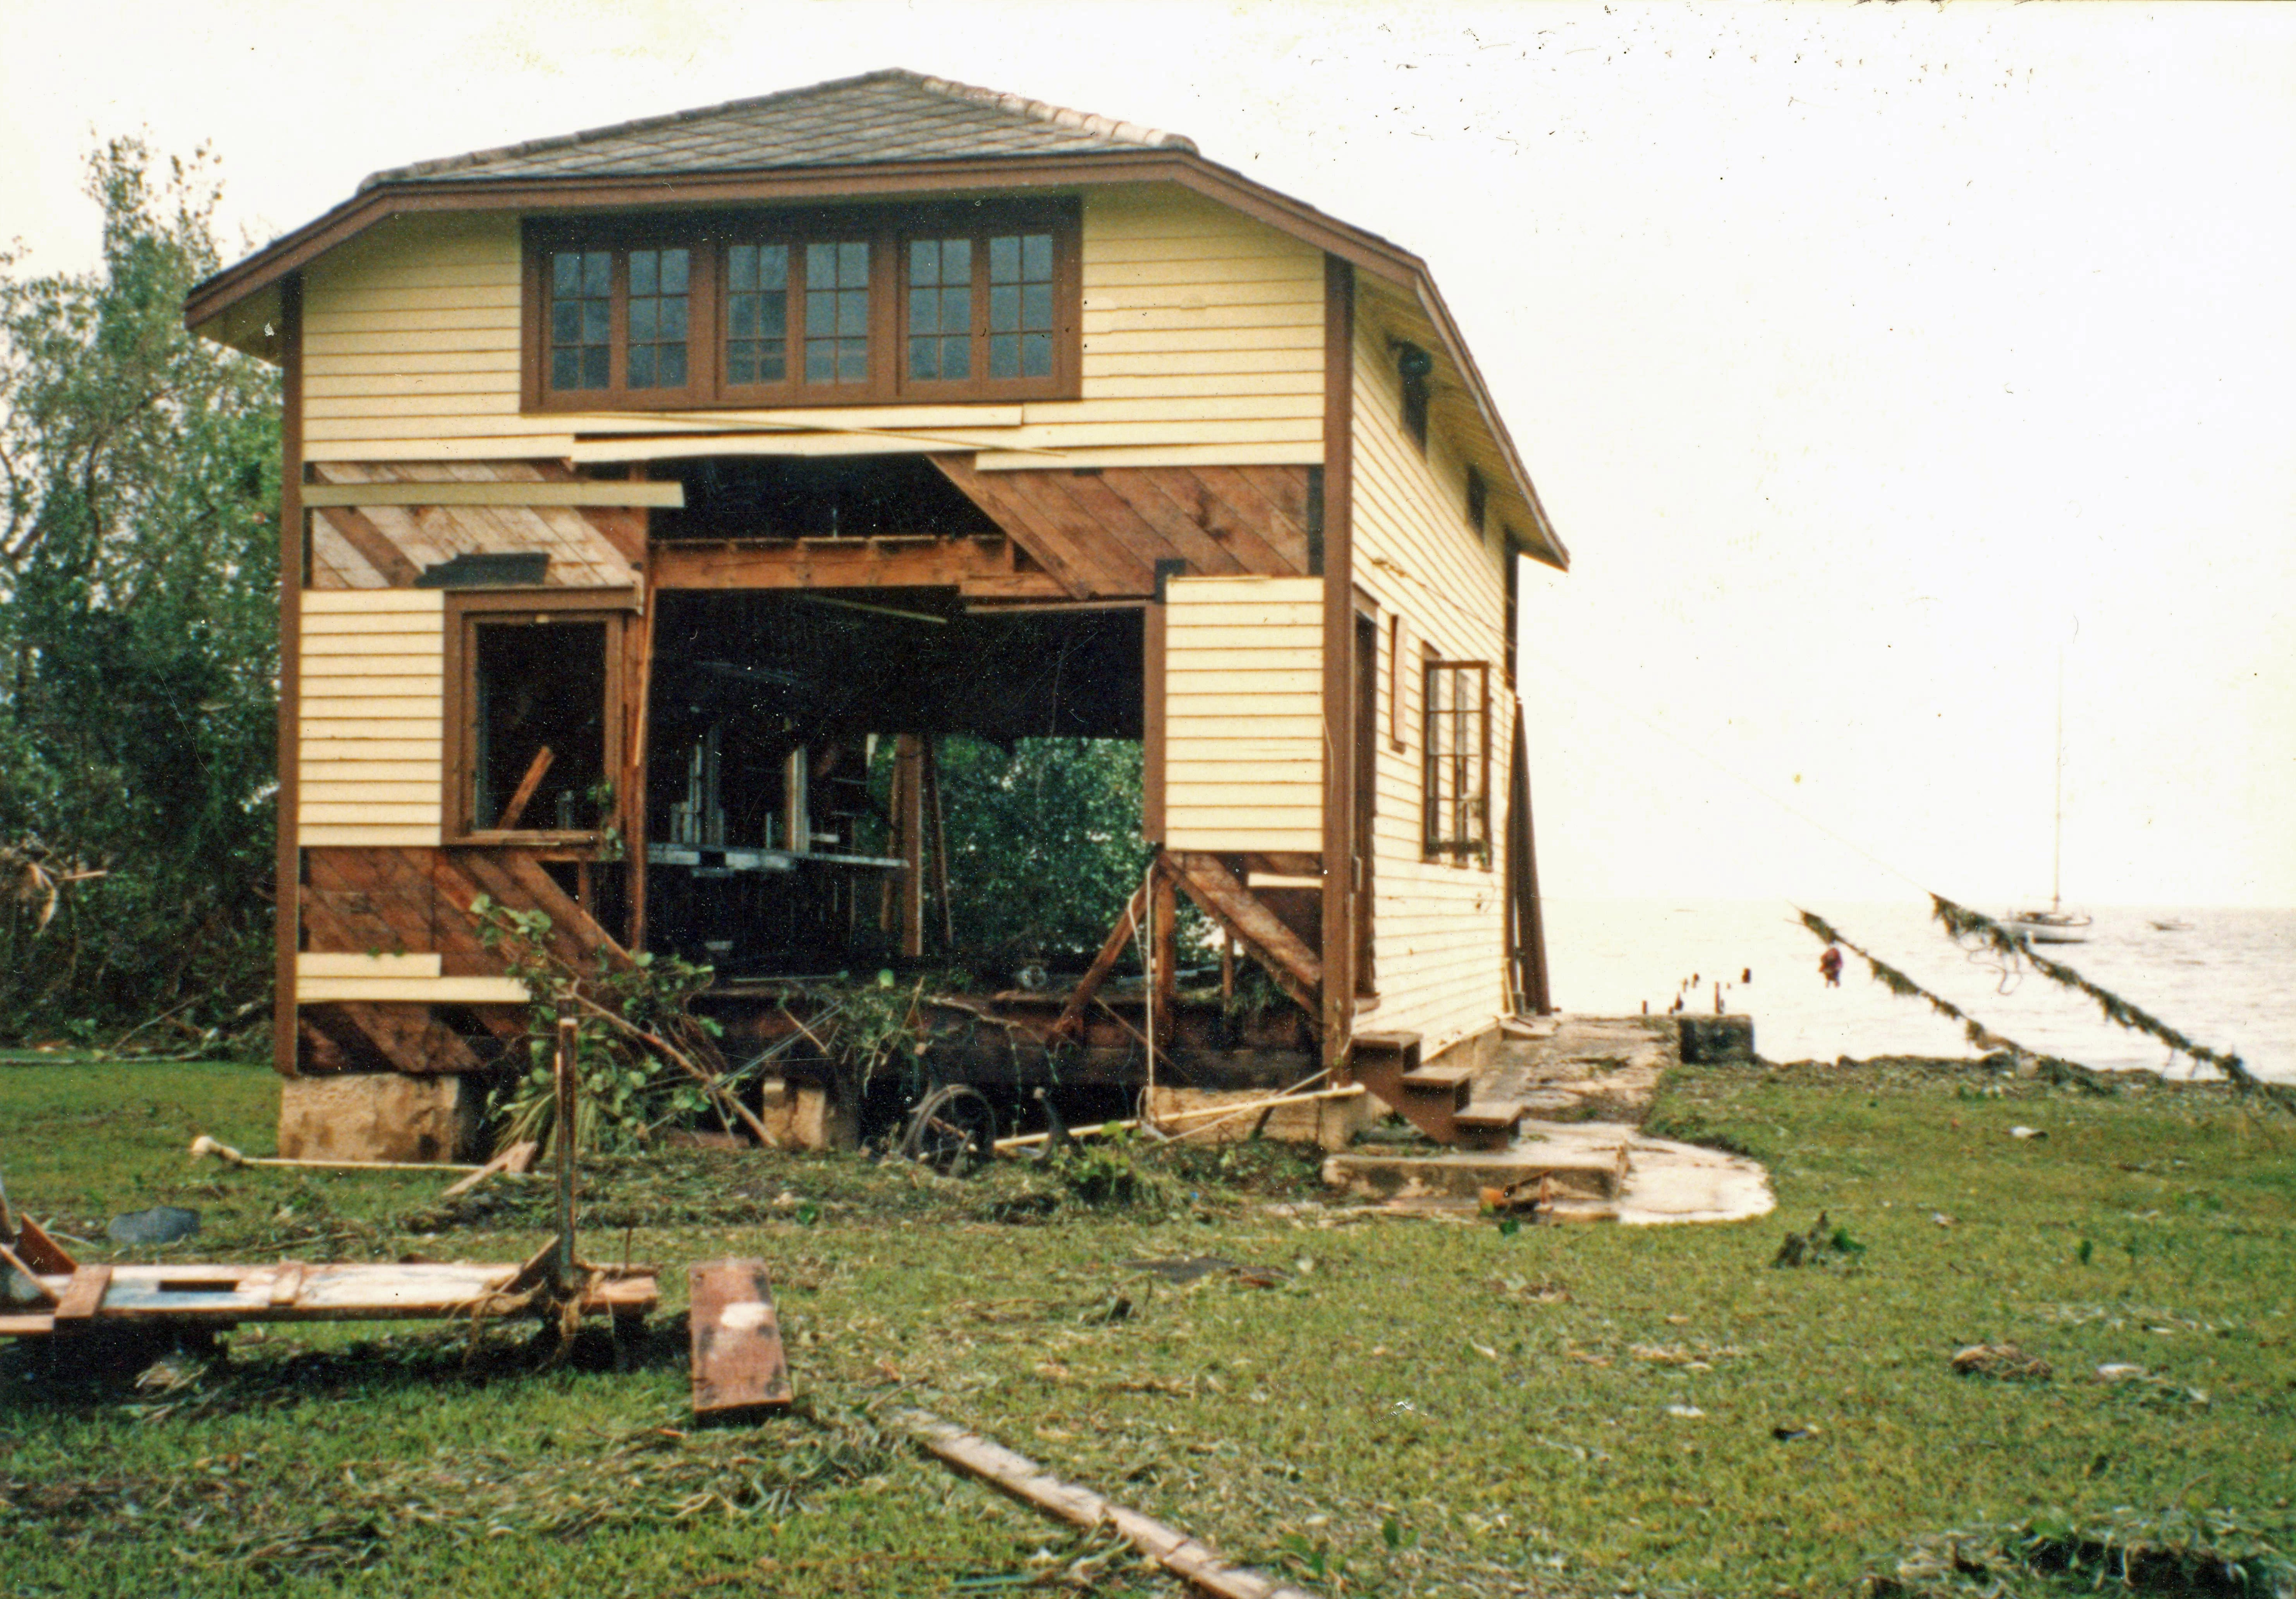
(738, 1361)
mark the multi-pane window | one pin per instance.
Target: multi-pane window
(1457, 711)
(940, 309)
(659, 283)
(1020, 306)
(581, 318)
(834, 305)
(837, 312)
(756, 312)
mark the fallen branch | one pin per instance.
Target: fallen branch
(205, 1145)
(1221, 1113)
(711, 1084)
(1026, 1480)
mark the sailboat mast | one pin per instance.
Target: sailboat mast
(2057, 844)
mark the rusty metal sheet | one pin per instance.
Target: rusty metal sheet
(738, 1361)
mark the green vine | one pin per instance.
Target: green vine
(642, 1059)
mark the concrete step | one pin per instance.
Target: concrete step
(1453, 1083)
(1586, 1161)
(1483, 1124)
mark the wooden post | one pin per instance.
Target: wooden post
(633, 786)
(1165, 922)
(1227, 967)
(563, 1074)
(939, 843)
(287, 899)
(909, 821)
(1338, 686)
(797, 808)
(1526, 918)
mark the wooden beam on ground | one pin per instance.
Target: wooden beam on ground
(1127, 923)
(1275, 947)
(1032, 1484)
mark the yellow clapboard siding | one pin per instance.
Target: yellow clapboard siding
(365, 385)
(1299, 274)
(318, 769)
(1216, 839)
(398, 342)
(393, 730)
(359, 646)
(436, 990)
(1197, 297)
(406, 670)
(1222, 388)
(337, 367)
(1293, 340)
(399, 837)
(1208, 248)
(1243, 699)
(412, 335)
(388, 294)
(1272, 365)
(319, 963)
(365, 319)
(350, 744)
(1223, 654)
(406, 708)
(370, 811)
(410, 601)
(360, 789)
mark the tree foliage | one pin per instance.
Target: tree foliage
(138, 573)
(1044, 842)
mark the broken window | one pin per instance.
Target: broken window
(534, 741)
(1457, 711)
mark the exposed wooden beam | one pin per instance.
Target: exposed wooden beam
(667, 496)
(1337, 1015)
(972, 566)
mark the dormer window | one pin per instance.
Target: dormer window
(853, 307)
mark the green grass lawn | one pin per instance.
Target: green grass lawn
(1416, 1408)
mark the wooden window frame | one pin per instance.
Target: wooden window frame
(1474, 844)
(888, 229)
(466, 610)
(620, 239)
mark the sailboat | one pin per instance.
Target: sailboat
(2056, 925)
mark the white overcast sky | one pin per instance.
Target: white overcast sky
(1865, 357)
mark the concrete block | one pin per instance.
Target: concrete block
(1711, 1040)
(820, 1121)
(378, 1115)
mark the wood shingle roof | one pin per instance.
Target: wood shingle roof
(879, 117)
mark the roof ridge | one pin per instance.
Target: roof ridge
(1059, 116)
(1039, 111)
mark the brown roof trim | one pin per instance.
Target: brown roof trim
(1366, 251)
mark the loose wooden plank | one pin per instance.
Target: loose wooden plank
(1127, 926)
(1215, 890)
(618, 493)
(738, 1361)
(84, 1295)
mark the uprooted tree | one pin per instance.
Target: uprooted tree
(138, 648)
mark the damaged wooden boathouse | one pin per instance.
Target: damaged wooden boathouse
(650, 490)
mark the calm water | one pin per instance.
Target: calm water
(2229, 983)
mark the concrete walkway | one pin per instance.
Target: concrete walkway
(1590, 1081)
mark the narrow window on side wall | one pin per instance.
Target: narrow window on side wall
(1457, 716)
